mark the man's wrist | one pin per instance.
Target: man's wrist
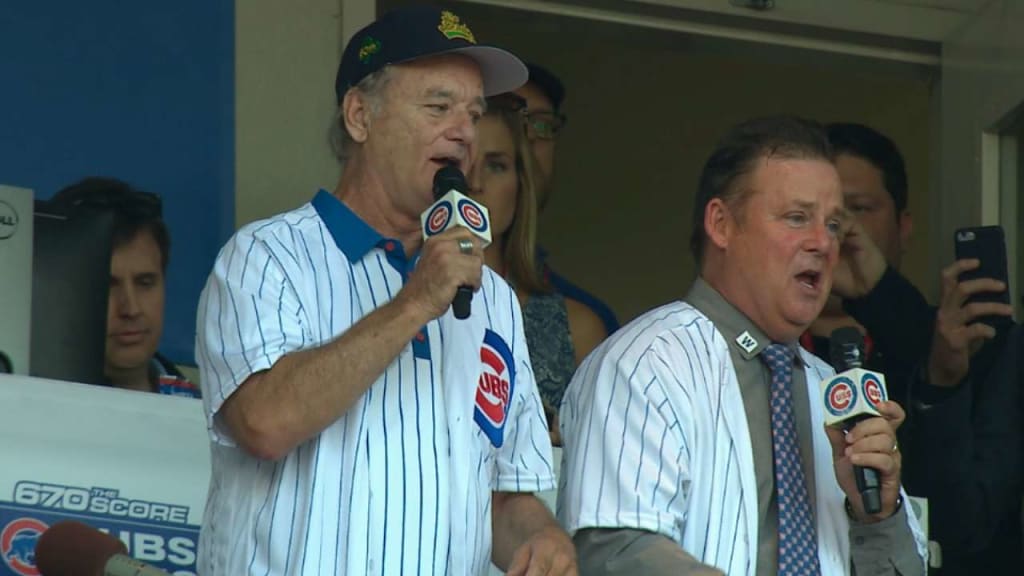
(942, 378)
(935, 377)
(407, 308)
(863, 517)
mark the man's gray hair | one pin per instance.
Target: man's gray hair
(372, 88)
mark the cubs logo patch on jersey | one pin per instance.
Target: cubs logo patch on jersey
(494, 388)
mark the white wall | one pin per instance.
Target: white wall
(286, 57)
(287, 54)
(645, 109)
(982, 81)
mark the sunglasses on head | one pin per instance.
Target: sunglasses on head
(135, 201)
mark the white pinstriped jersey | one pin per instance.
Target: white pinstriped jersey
(656, 438)
(402, 482)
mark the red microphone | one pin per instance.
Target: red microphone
(70, 548)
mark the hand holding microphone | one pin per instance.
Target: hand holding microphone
(861, 426)
(451, 210)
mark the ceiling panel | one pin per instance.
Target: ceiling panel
(926, 20)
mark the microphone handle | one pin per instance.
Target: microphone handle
(868, 482)
(462, 303)
(870, 488)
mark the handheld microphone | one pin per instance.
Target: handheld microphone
(853, 395)
(70, 548)
(452, 208)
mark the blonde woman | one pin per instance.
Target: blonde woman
(560, 331)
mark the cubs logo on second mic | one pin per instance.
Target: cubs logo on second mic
(840, 396)
(472, 215)
(18, 545)
(438, 218)
(494, 388)
(873, 389)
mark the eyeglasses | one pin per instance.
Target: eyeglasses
(544, 125)
(540, 125)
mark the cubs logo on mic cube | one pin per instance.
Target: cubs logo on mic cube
(852, 394)
(453, 210)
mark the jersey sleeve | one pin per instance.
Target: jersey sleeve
(249, 316)
(625, 459)
(524, 460)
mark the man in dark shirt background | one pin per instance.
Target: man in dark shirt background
(544, 94)
(958, 380)
(138, 264)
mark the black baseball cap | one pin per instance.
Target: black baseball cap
(414, 32)
(548, 83)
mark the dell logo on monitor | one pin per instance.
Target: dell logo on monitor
(8, 220)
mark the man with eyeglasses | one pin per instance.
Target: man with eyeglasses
(138, 265)
(544, 94)
(956, 376)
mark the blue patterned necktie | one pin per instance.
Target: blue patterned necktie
(798, 546)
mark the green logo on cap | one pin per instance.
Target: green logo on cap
(453, 28)
(370, 47)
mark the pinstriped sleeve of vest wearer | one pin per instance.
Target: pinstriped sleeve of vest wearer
(625, 455)
(249, 314)
(524, 460)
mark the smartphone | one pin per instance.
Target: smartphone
(987, 244)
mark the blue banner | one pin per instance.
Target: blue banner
(140, 91)
(156, 533)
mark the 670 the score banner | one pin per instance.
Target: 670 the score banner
(133, 465)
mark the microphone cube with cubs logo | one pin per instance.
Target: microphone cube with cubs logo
(455, 209)
(852, 395)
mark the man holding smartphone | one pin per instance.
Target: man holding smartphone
(962, 439)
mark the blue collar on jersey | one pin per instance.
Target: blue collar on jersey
(353, 236)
